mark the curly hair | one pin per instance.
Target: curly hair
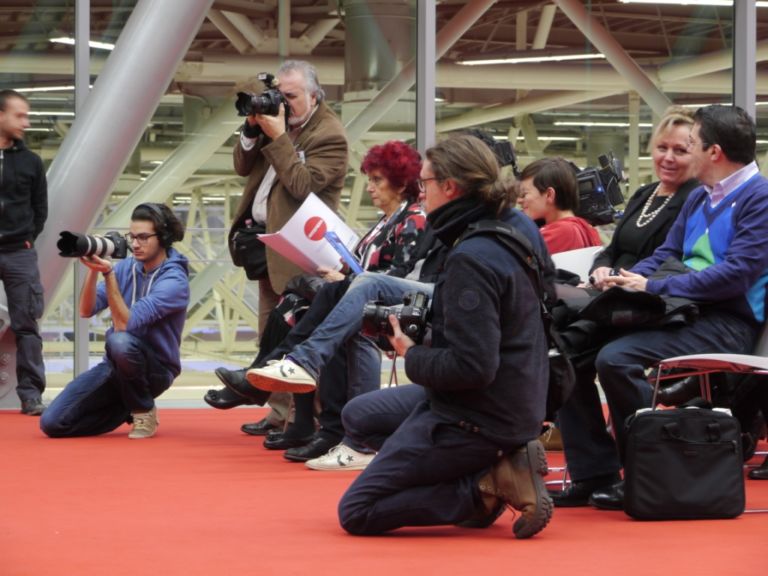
(400, 164)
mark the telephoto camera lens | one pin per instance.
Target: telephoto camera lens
(74, 245)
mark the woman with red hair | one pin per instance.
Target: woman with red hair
(389, 247)
(393, 170)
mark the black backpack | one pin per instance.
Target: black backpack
(562, 378)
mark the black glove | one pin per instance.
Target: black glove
(251, 131)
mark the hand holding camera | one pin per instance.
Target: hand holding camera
(97, 264)
(400, 342)
(266, 112)
(411, 318)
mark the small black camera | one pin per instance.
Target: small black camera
(413, 315)
(73, 245)
(266, 103)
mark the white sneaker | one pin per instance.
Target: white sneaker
(144, 424)
(282, 376)
(340, 457)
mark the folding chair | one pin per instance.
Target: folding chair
(578, 261)
(702, 365)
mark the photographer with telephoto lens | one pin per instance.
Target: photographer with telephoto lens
(147, 295)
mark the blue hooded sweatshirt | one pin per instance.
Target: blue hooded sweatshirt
(158, 302)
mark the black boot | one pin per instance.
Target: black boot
(679, 392)
(760, 473)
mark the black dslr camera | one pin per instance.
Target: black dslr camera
(266, 103)
(413, 315)
(599, 190)
(73, 245)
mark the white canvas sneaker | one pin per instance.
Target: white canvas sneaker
(282, 376)
(340, 457)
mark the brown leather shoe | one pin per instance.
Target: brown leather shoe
(518, 480)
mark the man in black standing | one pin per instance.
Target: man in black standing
(23, 210)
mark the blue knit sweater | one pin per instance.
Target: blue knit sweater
(725, 249)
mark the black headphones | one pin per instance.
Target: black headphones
(164, 235)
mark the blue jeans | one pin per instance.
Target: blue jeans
(346, 318)
(102, 398)
(589, 450)
(24, 293)
(426, 471)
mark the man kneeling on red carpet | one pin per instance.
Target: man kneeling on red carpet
(147, 295)
(462, 444)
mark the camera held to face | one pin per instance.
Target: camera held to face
(413, 315)
(266, 103)
(73, 245)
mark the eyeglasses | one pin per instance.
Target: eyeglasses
(140, 238)
(422, 182)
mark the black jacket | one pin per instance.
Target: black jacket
(488, 362)
(23, 197)
(656, 231)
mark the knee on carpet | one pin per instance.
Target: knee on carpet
(353, 517)
(51, 426)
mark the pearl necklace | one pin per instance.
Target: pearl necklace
(647, 217)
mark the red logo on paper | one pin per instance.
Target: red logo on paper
(315, 228)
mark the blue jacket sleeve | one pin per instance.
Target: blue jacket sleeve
(744, 263)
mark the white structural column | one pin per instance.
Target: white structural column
(744, 55)
(82, 89)
(425, 77)
(114, 117)
(400, 84)
(615, 54)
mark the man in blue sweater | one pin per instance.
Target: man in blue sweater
(147, 295)
(719, 236)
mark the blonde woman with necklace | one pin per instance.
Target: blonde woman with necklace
(653, 208)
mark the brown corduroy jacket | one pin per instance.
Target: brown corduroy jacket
(315, 162)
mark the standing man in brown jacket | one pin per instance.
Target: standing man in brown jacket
(284, 162)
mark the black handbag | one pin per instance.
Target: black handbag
(250, 253)
(684, 463)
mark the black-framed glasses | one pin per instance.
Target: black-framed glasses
(421, 182)
(140, 238)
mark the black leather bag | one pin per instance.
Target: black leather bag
(683, 464)
(250, 253)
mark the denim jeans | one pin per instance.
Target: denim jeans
(102, 398)
(427, 468)
(24, 294)
(361, 374)
(370, 419)
(346, 318)
(589, 450)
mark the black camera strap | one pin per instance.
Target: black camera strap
(562, 377)
(522, 249)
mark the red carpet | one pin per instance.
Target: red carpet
(204, 499)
